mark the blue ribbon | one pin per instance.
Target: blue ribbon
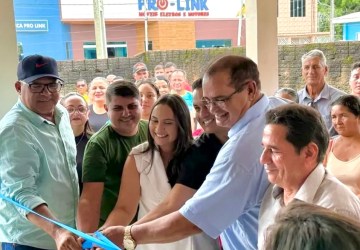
(98, 241)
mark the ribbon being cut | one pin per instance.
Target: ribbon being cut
(90, 241)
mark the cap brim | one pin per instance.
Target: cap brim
(33, 78)
(140, 69)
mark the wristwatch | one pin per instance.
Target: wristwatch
(128, 242)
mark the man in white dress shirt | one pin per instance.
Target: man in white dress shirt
(294, 142)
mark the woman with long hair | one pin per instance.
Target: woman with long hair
(153, 168)
(343, 154)
(149, 93)
(162, 83)
(98, 116)
(78, 110)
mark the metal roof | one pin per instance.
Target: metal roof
(349, 18)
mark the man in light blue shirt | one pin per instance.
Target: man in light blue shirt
(317, 93)
(228, 201)
(37, 162)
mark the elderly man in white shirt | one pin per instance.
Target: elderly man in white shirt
(294, 142)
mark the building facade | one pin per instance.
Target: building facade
(171, 24)
(39, 29)
(298, 22)
(65, 30)
(351, 26)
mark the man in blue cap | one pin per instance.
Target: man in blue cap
(37, 162)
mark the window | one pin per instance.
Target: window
(297, 8)
(214, 43)
(68, 50)
(150, 45)
(114, 49)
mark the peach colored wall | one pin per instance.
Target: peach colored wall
(159, 33)
(297, 25)
(167, 35)
(225, 29)
(81, 33)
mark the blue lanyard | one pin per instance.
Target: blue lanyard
(99, 240)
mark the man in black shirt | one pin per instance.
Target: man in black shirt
(197, 162)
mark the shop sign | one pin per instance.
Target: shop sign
(31, 25)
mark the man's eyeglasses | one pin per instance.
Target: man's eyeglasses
(51, 87)
(81, 85)
(221, 102)
(81, 110)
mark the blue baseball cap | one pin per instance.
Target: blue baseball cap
(34, 67)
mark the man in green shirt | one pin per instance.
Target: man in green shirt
(37, 162)
(106, 152)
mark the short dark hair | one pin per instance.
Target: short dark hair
(351, 102)
(304, 125)
(121, 88)
(184, 134)
(240, 69)
(159, 66)
(197, 84)
(170, 64)
(162, 78)
(355, 66)
(301, 225)
(150, 82)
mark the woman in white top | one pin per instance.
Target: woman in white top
(343, 155)
(152, 169)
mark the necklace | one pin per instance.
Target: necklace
(82, 136)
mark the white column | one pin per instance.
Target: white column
(100, 29)
(332, 15)
(261, 41)
(146, 27)
(8, 54)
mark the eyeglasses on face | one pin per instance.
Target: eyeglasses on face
(221, 101)
(80, 85)
(53, 87)
(71, 110)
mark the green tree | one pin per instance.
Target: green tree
(342, 7)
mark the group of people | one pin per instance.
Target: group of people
(167, 79)
(244, 183)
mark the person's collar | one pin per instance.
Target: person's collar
(120, 133)
(308, 189)
(60, 110)
(259, 108)
(35, 118)
(312, 183)
(324, 93)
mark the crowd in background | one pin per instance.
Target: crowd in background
(160, 163)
